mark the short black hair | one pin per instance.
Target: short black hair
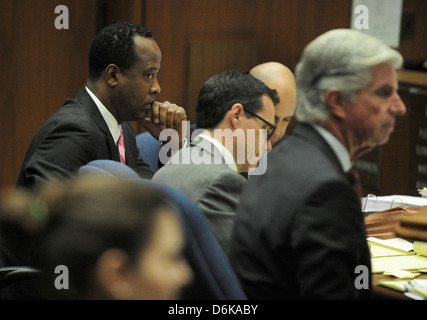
(223, 90)
(115, 44)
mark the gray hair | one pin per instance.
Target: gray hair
(340, 59)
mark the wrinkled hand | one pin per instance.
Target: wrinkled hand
(166, 115)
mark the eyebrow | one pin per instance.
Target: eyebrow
(153, 69)
(385, 87)
(285, 117)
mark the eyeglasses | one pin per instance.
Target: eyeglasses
(271, 128)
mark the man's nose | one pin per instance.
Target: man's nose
(398, 107)
(155, 88)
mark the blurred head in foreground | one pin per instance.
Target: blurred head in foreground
(117, 239)
(347, 83)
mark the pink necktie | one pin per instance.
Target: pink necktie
(121, 146)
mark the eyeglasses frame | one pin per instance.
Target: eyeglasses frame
(265, 121)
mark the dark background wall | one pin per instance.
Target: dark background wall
(42, 66)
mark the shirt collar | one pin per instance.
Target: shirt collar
(113, 125)
(340, 151)
(226, 154)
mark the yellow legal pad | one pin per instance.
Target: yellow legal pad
(378, 250)
(405, 262)
(398, 285)
(384, 259)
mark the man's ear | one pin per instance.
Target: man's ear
(112, 274)
(336, 103)
(111, 74)
(235, 115)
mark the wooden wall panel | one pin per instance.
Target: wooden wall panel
(207, 58)
(285, 27)
(176, 23)
(41, 67)
(124, 10)
(7, 108)
(281, 27)
(415, 47)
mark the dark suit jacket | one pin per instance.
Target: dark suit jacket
(72, 137)
(299, 230)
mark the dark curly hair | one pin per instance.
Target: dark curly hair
(115, 44)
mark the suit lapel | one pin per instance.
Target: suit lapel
(84, 98)
(129, 136)
(309, 133)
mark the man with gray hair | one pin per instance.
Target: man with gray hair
(299, 231)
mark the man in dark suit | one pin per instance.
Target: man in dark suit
(124, 60)
(299, 230)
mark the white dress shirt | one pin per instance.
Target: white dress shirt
(225, 153)
(113, 125)
(340, 151)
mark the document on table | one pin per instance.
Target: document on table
(390, 247)
(372, 203)
(389, 261)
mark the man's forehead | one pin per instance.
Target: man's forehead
(147, 49)
(381, 75)
(286, 107)
(268, 108)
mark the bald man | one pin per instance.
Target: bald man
(279, 77)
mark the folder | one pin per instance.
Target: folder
(413, 227)
(373, 203)
(383, 224)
